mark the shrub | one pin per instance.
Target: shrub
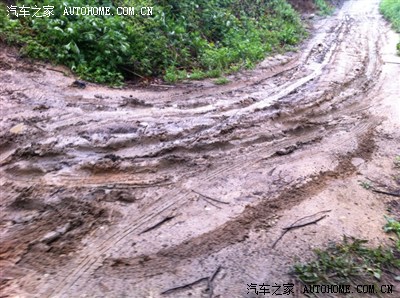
(323, 7)
(391, 10)
(180, 37)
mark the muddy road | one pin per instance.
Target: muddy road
(136, 192)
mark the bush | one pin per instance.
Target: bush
(180, 37)
(391, 10)
(323, 7)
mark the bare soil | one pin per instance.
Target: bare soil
(135, 192)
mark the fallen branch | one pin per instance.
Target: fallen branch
(389, 193)
(168, 218)
(304, 224)
(209, 279)
(212, 199)
(210, 285)
(184, 286)
(294, 226)
(211, 203)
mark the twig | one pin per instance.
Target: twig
(210, 282)
(134, 186)
(60, 71)
(30, 122)
(280, 237)
(308, 216)
(56, 191)
(271, 171)
(304, 224)
(184, 286)
(145, 129)
(212, 199)
(211, 203)
(389, 193)
(168, 218)
(214, 275)
(294, 226)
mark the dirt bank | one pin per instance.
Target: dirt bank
(132, 192)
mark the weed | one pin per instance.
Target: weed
(221, 81)
(173, 75)
(391, 10)
(352, 262)
(323, 7)
(366, 184)
(198, 75)
(397, 158)
(393, 226)
(346, 262)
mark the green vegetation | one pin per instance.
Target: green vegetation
(323, 7)
(366, 184)
(393, 225)
(180, 40)
(352, 262)
(397, 161)
(221, 81)
(391, 10)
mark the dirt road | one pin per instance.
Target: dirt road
(133, 192)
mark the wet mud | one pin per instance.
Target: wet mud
(136, 191)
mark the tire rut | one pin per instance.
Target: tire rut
(155, 158)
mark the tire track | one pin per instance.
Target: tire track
(306, 103)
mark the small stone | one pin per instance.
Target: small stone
(18, 129)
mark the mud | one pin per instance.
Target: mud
(135, 192)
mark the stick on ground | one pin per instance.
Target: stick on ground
(212, 199)
(157, 224)
(209, 279)
(294, 226)
(389, 193)
(184, 286)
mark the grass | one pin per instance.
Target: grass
(351, 261)
(323, 7)
(391, 10)
(397, 161)
(365, 184)
(221, 81)
(393, 226)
